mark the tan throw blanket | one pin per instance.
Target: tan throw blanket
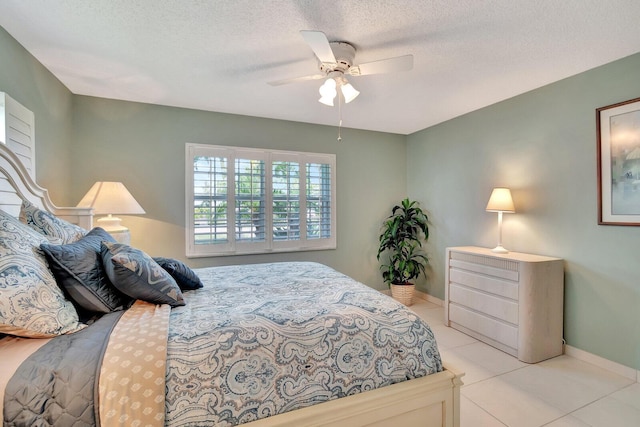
(132, 377)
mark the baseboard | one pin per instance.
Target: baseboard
(607, 364)
(429, 298)
(421, 296)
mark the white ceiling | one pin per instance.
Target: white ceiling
(218, 55)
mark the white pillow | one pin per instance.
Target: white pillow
(48, 224)
(31, 303)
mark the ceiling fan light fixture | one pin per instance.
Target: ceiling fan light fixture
(336, 61)
(349, 92)
(326, 100)
(328, 92)
(328, 86)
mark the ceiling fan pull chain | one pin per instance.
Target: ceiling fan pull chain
(340, 114)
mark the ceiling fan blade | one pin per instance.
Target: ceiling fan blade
(297, 79)
(319, 43)
(390, 65)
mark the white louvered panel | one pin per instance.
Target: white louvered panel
(17, 131)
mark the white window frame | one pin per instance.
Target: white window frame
(269, 245)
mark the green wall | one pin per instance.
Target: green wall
(82, 139)
(28, 82)
(542, 145)
(143, 145)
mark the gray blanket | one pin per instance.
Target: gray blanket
(56, 385)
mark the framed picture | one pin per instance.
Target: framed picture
(618, 128)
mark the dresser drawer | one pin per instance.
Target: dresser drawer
(491, 305)
(499, 268)
(491, 328)
(488, 284)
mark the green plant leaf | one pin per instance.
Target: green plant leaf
(401, 238)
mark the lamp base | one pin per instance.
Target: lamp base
(499, 250)
(111, 225)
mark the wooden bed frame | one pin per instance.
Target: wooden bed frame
(431, 401)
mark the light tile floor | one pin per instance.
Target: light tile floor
(501, 391)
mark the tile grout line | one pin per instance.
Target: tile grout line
(595, 401)
(486, 412)
(576, 353)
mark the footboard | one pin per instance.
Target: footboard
(431, 401)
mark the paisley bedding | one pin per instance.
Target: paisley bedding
(255, 341)
(264, 339)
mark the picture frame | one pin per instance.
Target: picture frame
(618, 151)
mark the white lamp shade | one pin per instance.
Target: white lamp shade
(328, 92)
(110, 198)
(328, 88)
(500, 201)
(349, 92)
(327, 100)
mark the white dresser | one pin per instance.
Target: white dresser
(511, 301)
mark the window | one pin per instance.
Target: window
(242, 200)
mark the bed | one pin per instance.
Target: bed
(278, 344)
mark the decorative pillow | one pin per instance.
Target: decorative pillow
(185, 277)
(31, 303)
(78, 270)
(48, 224)
(136, 274)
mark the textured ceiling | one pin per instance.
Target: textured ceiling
(218, 55)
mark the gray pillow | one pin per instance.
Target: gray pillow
(185, 277)
(78, 270)
(137, 275)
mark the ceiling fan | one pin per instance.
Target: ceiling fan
(336, 61)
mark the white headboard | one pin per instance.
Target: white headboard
(16, 185)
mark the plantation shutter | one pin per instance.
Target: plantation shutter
(243, 200)
(286, 200)
(209, 215)
(318, 200)
(250, 195)
(17, 131)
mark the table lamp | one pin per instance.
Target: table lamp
(112, 198)
(501, 202)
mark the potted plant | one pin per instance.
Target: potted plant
(401, 238)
